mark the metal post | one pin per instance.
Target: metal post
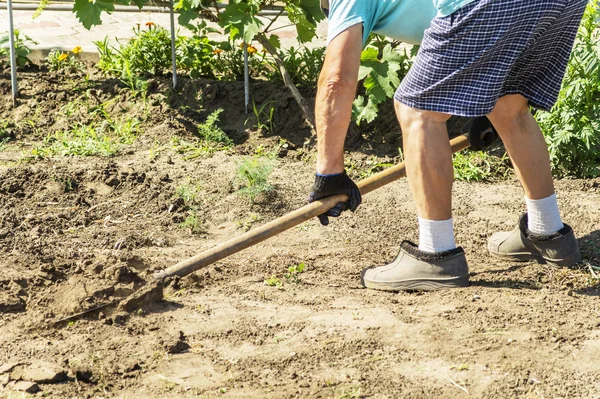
(246, 79)
(173, 53)
(13, 61)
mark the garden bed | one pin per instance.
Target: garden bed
(79, 232)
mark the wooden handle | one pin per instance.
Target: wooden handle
(289, 220)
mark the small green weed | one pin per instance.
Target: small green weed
(211, 132)
(274, 281)
(246, 224)
(193, 223)
(252, 176)
(471, 166)
(264, 117)
(188, 193)
(293, 274)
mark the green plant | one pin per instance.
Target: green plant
(472, 166)
(188, 192)
(64, 61)
(293, 274)
(211, 132)
(148, 52)
(572, 127)
(22, 50)
(263, 117)
(304, 65)
(193, 223)
(382, 68)
(252, 176)
(273, 281)
(199, 53)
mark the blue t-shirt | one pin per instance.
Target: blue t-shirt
(404, 20)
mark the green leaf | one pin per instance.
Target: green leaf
(363, 112)
(312, 11)
(275, 41)
(88, 12)
(239, 19)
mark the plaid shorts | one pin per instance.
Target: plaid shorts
(492, 48)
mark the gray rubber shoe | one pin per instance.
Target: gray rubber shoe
(520, 245)
(416, 270)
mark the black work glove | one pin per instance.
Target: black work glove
(482, 133)
(327, 185)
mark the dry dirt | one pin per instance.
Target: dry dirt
(85, 232)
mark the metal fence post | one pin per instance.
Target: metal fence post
(173, 50)
(246, 79)
(13, 61)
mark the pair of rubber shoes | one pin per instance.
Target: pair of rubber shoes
(414, 269)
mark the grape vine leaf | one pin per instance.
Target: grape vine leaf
(380, 75)
(304, 27)
(88, 12)
(239, 19)
(362, 111)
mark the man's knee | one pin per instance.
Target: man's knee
(508, 111)
(407, 116)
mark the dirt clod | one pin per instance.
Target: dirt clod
(40, 372)
(26, 386)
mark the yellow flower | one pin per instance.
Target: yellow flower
(150, 24)
(62, 57)
(252, 50)
(77, 50)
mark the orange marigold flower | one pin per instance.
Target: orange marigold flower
(150, 24)
(62, 57)
(252, 50)
(77, 50)
(217, 51)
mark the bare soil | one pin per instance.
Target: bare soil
(81, 233)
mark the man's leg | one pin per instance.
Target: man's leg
(541, 235)
(528, 151)
(436, 263)
(428, 159)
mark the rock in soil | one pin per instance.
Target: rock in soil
(41, 372)
(26, 386)
(177, 345)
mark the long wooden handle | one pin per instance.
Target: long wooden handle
(289, 220)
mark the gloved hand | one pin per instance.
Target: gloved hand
(482, 133)
(327, 185)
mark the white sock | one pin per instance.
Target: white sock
(543, 216)
(436, 235)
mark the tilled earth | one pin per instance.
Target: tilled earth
(79, 235)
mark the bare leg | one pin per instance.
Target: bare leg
(525, 144)
(428, 158)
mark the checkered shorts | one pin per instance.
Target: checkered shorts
(492, 48)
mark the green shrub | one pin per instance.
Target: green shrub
(572, 127)
(147, 53)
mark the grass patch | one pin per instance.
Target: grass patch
(478, 166)
(252, 177)
(103, 139)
